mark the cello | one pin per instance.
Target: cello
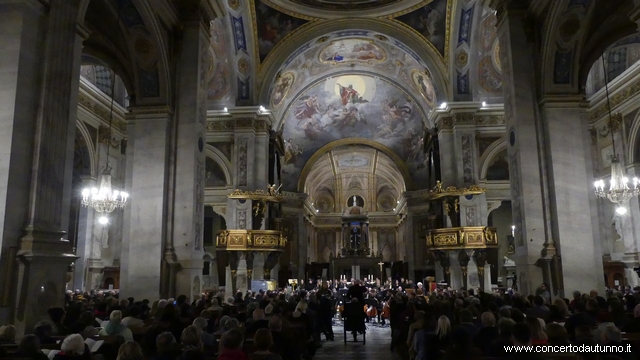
(386, 311)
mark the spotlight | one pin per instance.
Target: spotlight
(103, 220)
(443, 105)
(225, 110)
(621, 210)
(262, 109)
(484, 104)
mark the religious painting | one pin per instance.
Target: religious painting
(422, 81)
(352, 106)
(345, 4)
(354, 161)
(281, 89)
(431, 22)
(214, 175)
(272, 27)
(352, 50)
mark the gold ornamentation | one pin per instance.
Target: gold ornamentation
(234, 4)
(462, 58)
(272, 195)
(247, 240)
(439, 192)
(243, 66)
(445, 239)
(467, 237)
(234, 273)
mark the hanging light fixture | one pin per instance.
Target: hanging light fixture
(104, 199)
(620, 189)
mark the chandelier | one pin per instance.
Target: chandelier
(620, 190)
(104, 200)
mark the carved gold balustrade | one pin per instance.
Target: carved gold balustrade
(251, 240)
(458, 238)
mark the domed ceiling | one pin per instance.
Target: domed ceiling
(345, 4)
(354, 84)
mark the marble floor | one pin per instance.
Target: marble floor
(377, 347)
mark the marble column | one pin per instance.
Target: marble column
(188, 193)
(525, 161)
(145, 218)
(571, 194)
(43, 254)
(303, 245)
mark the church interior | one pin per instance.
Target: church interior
(161, 148)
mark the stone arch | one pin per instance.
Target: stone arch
(407, 37)
(633, 141)
(143, 46)
(406, 176)
(217, 156)
(489, 155)
(82, 128)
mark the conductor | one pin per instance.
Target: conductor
(357, 291)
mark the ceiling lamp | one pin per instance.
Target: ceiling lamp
(104, 200)
(620, 191)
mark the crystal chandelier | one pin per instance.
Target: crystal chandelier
(620, 191)
(104, 200)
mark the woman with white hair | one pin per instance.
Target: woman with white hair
(115, 328)
(73, 348)
(202, 324)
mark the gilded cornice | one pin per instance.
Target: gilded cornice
(617, 99)
(450, 121)
(93, 106)
(258, 125)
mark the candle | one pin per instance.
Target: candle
(513, 230)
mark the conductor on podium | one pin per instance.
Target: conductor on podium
(357, 291)
(354, 317)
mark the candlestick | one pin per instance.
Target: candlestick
(513, 230)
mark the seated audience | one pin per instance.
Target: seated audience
(208, 340)
(191, 338)
(56, 315)
(42, 331)
(538, 336)
(487, 334)
(231, 346)
(7, 334)
(30, 348)
(73, 348)
(166, 347)
(521, 336)
(130, 350)
(115, 328)
(133, 320)
(263, 341)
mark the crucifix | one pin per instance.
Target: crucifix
(381, 264)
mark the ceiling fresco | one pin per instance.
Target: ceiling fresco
(352, 105)
(345, 4)
(431, 22)
(272, 26)
(346, 51)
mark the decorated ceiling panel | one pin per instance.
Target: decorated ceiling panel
(358, 170)
(349, 51)
(272, 26)
(352, 105)
(345, 4)
(431, 22)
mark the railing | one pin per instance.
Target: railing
(256, 240)
(467, 237)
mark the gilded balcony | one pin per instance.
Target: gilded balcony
(467, 237)
(251, 240)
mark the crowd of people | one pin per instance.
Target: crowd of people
(289, 324)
